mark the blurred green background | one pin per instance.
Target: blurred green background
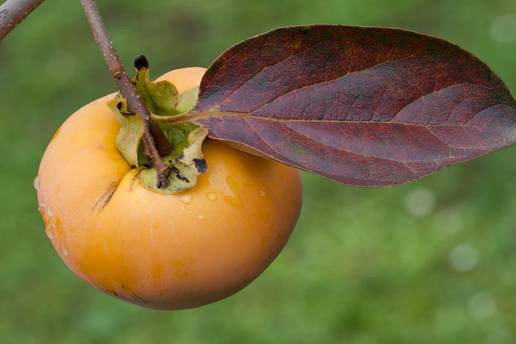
(429, 262)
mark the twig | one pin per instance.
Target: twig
(129, 92)
(12, 12)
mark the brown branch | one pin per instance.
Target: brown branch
(129, 92)
(12, 12)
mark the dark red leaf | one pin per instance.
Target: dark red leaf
(364, 106)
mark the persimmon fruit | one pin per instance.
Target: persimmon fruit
(162, 251)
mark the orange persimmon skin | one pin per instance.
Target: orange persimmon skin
(162, 251)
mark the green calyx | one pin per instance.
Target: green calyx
(185, 162)
(185, 168)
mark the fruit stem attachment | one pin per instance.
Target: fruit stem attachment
(153, 133)
(13, 12)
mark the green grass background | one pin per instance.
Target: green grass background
(433, 261)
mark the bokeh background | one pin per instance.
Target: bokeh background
(433, 261)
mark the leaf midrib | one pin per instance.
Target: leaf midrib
(206, 115)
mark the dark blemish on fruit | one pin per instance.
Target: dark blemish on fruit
(201, 165)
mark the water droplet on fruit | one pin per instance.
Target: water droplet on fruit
(234, 201)
(49, 212)
(36, 183)
(226, 186)
(49, 231)
(262, 193)
(187, 199)
(41, 201)
(233, 197)
(200, 217)
(212, 196)
(64, 249)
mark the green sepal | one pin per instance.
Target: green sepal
(160, 97)
(185, 168)
(187, 100)
(185, 103)
(177, 135)
(130, 135)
